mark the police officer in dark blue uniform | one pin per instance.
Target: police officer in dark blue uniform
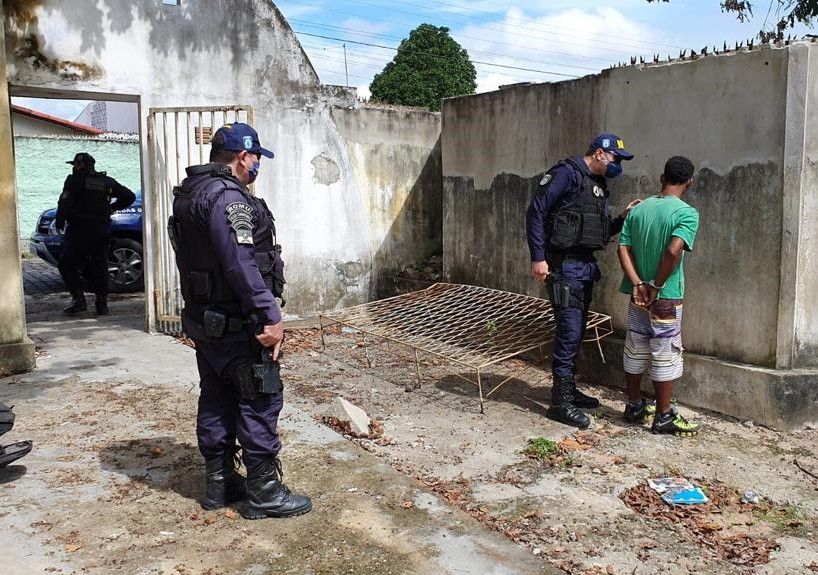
(567, 221)
(85, 204)
(230, 272)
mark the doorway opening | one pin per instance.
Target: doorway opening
(49, 129)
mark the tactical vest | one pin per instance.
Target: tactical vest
(579, 222)
(94, 200)
(202, 280)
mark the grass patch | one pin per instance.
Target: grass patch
(548, 451)
(789, 519)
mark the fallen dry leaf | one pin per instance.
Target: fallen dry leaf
(230, 514)
(210, 520)
(407, 505)
(72, 548)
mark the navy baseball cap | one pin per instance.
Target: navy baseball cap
(83, 158)
(611, 143)
(240, 137)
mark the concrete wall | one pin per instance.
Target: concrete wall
(16, 349)
(210, 53)
(41, 170)
(728, 113)
(395, 155)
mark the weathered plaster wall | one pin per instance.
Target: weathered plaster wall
(395, 155)
(209, 53)
(806, 317)
(16, 349)
(726, 113)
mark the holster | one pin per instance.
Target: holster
(256, 379)
(563, 295)
(268, 374)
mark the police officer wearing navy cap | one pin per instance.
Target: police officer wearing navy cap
(85, 205)
(567, 221)
(230, 273)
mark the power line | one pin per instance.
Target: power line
(471, 51)
(624, 48)
(519, 68)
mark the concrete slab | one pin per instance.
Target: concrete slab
(779, 398)
(111, 485)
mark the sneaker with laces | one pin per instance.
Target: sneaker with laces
(673, 423)
(639, 411)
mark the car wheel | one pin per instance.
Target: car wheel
(125, 266)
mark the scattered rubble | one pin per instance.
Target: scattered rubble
(352, 415)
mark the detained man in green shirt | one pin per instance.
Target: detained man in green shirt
(654, 238)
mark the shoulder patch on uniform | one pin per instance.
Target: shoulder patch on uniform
(545, 179)
(240, 216)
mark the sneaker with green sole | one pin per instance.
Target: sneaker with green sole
(639, 411)
(673, 423)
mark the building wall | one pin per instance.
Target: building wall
(27, 126)
(395, 155)
(41, 171)
(120, 117)
(727, 113)
(211, 53)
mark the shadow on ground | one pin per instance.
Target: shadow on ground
(514, 391)
(11, 473)
(159, 462)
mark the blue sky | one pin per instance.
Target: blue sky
(515, 41)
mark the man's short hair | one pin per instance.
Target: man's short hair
(217, 153)
(678, 170)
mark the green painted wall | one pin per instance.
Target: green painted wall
(41, 171)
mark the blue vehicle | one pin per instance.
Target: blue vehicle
(125, 268)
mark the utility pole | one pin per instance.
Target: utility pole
(346, 68)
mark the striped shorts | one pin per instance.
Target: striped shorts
(655, 338)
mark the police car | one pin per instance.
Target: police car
(125, 264)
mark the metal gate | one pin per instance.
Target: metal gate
(177, 138)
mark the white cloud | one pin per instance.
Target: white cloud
(297, 10)
(573, 42)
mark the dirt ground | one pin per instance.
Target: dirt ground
(584, 508)
(112, 484)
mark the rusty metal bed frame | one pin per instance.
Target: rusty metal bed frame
(471, 326)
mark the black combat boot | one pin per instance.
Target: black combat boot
(102, 304)
(77, 304)
(224, 485)
(582, 400)
(267, 496)
(562, 407)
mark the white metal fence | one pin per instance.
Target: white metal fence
(177, 138)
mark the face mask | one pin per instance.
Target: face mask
(252, 173)
(613, 169)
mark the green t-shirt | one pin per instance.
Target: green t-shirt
(648, 230)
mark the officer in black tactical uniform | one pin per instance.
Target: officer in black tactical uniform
(85, 204)
(567, 221)
(231, 272)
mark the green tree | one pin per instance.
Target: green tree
(428, 67)
(787, 12)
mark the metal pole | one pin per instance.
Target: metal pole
(321, 322)
(346, 68)
(417, 372)
(480, 390)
